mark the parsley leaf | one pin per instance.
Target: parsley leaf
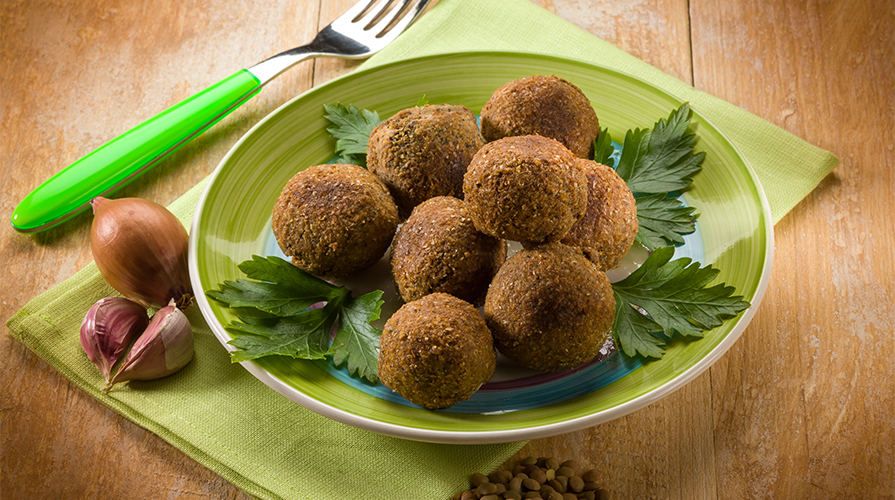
(359, 160)
(304, 336)
(423, 101)
(603, 149)
(351, 129)
(356, 340)
(280, 294)
(630, 162)
(292, 295)
(663, 219)
(635, 333)
(655, 163)
(675, 297)
(660, 160)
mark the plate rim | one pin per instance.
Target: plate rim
(486, 436)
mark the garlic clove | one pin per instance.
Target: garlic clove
(108, 329)
(164, 348)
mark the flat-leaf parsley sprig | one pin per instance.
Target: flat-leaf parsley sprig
(663, 219)
(351, 129)
(655, 164)
(276, 319)
(661, 160)
(665, 296)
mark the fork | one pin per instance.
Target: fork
(358, 33)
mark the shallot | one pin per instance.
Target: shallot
(140, 249)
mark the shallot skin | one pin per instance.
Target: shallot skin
(140, 249)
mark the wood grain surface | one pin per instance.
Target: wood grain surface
(802, 406)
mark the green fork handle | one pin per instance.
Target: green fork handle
(124, 158)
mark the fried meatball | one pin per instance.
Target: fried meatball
(438, 249)
(542, 105)
(550, 308)
(334, 220)
(529, 189)
(606, 231)
(423, 152)
(436, 351)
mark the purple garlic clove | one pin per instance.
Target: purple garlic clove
(164, 348)
(108, 329)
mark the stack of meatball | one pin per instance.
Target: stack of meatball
(462, 194)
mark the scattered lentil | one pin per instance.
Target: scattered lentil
(531, 478)
(576, 484)
(557, 485)
(478, 478)
(486, 489)
(531, 484)
(565, 471)
(572, 465)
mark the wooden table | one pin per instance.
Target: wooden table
(801, 407)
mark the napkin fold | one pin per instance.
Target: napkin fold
(272, 448)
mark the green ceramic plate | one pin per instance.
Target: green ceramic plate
(232, 223)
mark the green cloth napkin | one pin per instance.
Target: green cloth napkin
(271, 448)
(222, 416)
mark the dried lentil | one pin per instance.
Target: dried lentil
(545, 479)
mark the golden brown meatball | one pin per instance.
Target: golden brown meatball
(334, 220)
(436, 351)
(529, 189)
(606, 231)
(438, 249)
(550, 308)
(542, 105)
(423, 152)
